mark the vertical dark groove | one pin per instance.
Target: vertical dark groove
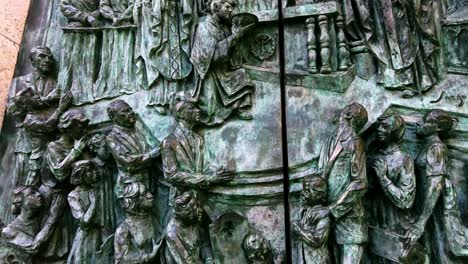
(284, 135)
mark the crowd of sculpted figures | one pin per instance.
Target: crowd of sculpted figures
(86, 195)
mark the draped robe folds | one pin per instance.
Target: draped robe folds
(54, 187)
(117, 74)
(404, 37)
(164, 42)
(79, 58)
(220, 87)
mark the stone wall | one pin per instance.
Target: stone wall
(12, 19)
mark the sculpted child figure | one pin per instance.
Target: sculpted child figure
(135, 238)
(313, 228)
(86, 208)
(186, 241)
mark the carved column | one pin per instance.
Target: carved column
(324, 44)
(312, 44)
(343, 53)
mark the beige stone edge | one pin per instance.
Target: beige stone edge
(12, 21)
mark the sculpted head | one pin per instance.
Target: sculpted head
(314, 190)
(121, 113)
(391, 128)
(187, 111)
(355, 115)
(42, 59)
(73, 123)
(187, 209)
(222, 9)
(84, 172)
(257, 249)
(137, 200)
(97, 145)
(26, 198)
(437, 122)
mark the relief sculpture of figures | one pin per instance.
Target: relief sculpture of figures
(117, 74)
(237, 132)
(395, 177)
(343, 165)
(18, 236)
(81, 49)
(183, 154)
(36, 96)
(129, 147)
(313, 229)
(404, 39)
(185, 240)
(432, 168)
(136, 237)
(55, 238)
(220, 89)
(165, 40)
(87, 209)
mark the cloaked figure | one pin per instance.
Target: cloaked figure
(221, 88)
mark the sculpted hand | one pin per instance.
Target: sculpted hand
(65, 101)
(93, 21)
(414, 234)
(209, 261)
(239, 32)
(296, 227)
(81, 143)
(380, 167)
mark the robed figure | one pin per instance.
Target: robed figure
(117, 75)
(221, 88)
(80, 49)
(164, 41)
(403, 36)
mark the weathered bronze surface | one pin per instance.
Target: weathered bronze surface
(149, 131)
